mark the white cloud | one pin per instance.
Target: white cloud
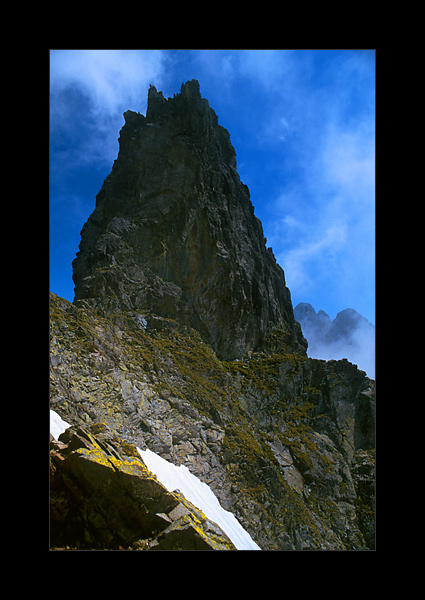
(348, 161)
(358, 346)
(308, 263)
(110, 78)
(322, 227)
(93, 88)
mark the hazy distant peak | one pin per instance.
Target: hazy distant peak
(349, 335)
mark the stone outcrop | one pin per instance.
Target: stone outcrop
(104, 497)
(174, 232)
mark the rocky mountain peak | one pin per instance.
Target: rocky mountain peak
(174, 233)
(349, 335)
(190, 95)
(344, 326)
(182, 341)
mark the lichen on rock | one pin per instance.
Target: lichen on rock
(103, 498)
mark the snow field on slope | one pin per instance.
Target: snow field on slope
(57, 425)
(200, 494)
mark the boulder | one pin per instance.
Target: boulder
(104, 497)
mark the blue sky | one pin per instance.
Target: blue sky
(303, 126)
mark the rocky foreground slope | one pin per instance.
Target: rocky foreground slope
(103, 496)
(285, 442)
(182, 339)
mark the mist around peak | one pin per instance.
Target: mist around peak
(349, 335)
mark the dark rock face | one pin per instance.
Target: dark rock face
(174, 232)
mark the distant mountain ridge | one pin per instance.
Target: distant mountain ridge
(350, 335)
(342, 327)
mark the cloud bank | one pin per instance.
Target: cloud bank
(112, 79)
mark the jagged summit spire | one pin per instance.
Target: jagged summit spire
(191, 89)
(155, 101)
(160, 107)
(187, 109)
(174, 232)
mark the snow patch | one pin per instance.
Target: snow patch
(200, 494)
(197, 492)
(57, 425)
(142, 322)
